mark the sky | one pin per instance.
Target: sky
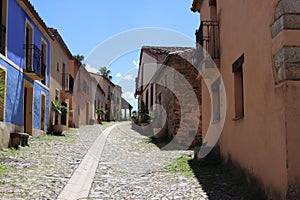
(85, 27)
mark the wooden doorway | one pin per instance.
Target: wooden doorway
(43, 111)
(28, 105)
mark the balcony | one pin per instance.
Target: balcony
(2, 39)
(67, 84)
(33, 64)
(208, 38)
(138, 91)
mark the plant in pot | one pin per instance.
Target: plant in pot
(100, 112)
(58, 109)
(134, 117)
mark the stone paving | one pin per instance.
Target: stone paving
(41, 170)
(132, 168)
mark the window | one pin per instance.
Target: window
(78, 82)
(2, 93)
(29, 51)
(151, 95)
(3, 26)
(57, 67)
(237, 69)
(147, 100)
(215, 87)
(78, 109)
(84, 86)
(44, 61)
(108, 96)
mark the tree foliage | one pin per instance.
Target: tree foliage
(104, 72)
(79, 57)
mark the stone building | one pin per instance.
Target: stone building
(256, 46)
(170, 87)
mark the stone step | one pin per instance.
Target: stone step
(18, 138)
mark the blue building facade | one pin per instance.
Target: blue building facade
(24, 65)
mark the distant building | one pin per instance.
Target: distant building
(164, 79)
(75, 65)
(256, 46)
(117, 102)
(25, 66)
(126, 107)
(83, 98)
(112, 95)
(98, 97)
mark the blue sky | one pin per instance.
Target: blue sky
(84, 26)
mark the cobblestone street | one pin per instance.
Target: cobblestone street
(130, 167)
(41, 170)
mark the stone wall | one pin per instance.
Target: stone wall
(180, 116)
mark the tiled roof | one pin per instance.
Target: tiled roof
(158, 50)
(186, 54)
(35, 14)
(125, 104)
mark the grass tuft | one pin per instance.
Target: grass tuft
(181, 165)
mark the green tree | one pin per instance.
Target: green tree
(79, 57)
(100, 112)
(104, 72)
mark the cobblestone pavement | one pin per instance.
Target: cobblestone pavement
(41, 170)
(132, 168)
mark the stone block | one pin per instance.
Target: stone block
(287, 7)
(287, 64)
(285, 22)
(18, 138)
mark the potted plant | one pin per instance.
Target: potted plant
(100, 112)
(58, 109)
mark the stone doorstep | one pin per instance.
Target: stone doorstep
(18, 138)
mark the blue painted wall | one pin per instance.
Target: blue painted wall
(15, 78)
(14, 94)
(16, 36)
(37, 105)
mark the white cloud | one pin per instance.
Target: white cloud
(128, 77)
(128, 96)
(118, 75)
(136, 63)
(89, 68)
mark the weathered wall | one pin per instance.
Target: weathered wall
(58, 59)
(257, 142)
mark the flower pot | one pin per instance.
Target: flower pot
(57, 129)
